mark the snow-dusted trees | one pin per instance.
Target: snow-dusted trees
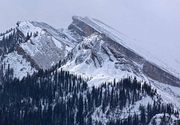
(60, 98)
(9, 41)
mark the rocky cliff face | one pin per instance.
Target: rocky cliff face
(124, 57)
(92, 45)
(40, 45)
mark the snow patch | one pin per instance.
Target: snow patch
(57, 43)
(19, 65)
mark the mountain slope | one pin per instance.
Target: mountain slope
(47, 46)
(103, 56)
(117, 46)
(98, 54)
(39, 44)
(95, 55)
(52, 98)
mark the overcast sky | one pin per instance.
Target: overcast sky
(154, 24)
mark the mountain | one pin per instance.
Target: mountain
(107, 45)
(105, 54)
(89, 65)
(32, 46)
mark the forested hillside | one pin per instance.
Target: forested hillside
(60, 98)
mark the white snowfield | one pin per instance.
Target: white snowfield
(20, 65)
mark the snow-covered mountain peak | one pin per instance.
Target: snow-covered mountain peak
(88, 42)
(40, 45)
(117, 45)
(95, 25)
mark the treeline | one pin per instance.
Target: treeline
(7, 31)
(60, 98)
(8, 43)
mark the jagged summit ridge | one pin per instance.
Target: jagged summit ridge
(43, 46)
(87, 27)
(96, 55)
(40, 45)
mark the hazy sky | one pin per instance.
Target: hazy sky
(154, 24)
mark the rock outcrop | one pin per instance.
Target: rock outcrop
(87, 27)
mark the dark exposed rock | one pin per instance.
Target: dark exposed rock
(160, 75)
(81, 27)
